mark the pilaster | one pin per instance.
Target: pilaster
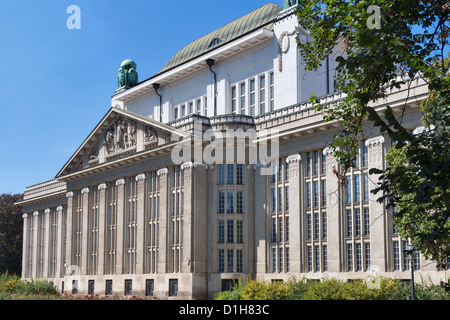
(163, 227)
(334, 221)
(35, 244)
(47, 243)
(120, 224)
(85, 231)
(25, 245)
(140, 223)
(261, 212)
(188, 228)
(60, 242)
(295, 205)
(376, 211)
(69, 235)
(101, 227)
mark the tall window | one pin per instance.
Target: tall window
(130, 225)
(279, 199)
(233, 100)
(356, 211)
(53, 242)
(315, 210)
(262, 94)
(93, 228)
(176, 221)
(272, 91)
(242, 97)
(152, 230)
(77, 228)
(230, 218)
(111, 228)
(252, 97)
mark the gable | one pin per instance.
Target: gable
(118, 135)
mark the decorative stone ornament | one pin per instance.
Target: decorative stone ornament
(128, 76)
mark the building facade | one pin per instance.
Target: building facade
(133, 211)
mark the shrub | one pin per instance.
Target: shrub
(234, 294)
(44, 287)
(257, 290)
(9, 283)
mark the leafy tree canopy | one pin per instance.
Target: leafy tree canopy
(384, 45)
(11, 225)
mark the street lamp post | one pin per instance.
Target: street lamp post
(410, 251)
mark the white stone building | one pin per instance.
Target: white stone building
(122, 218)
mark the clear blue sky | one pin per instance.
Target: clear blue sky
(56, 83)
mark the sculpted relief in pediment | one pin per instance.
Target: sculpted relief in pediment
(121, 136)
(124, 137)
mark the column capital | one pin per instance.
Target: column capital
(35, 214)
(59, 209)
(24, 216)
(47, 211)
(120, 182)
(375, 141)
(69, 194)
(140, 177)
(101, 186)
(85, 190)
(162, 171)
(294, 158)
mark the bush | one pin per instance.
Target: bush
(9, 283)
(332, 289)
(44, 287)
(257, 290)
(234, 294)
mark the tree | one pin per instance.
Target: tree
(11, 225)
(409, 40)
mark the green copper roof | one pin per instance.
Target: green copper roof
(262, 17)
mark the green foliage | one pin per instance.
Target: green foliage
(256, 290)
(235, 294)
(332, 289)
(11, 225)
(411, 42)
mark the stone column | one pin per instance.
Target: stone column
(85, 231)
(262, 192)
(120, 227)
(163, 227)
(188, 219)
(101, 227)
(47, 240)
(60, 242)
(69, 235)
(249, 221)
(140, 223)
(334, 224)
(377, 215)
(295, 213)
(25, 246)
(35, 244)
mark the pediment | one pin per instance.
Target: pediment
(118, 135)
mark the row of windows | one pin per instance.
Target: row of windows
(250, 97)
(198, 106)
(234, 174)
(232, 231)
(128, 287)
(253, 96)
(356, 257)
(230, 260)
